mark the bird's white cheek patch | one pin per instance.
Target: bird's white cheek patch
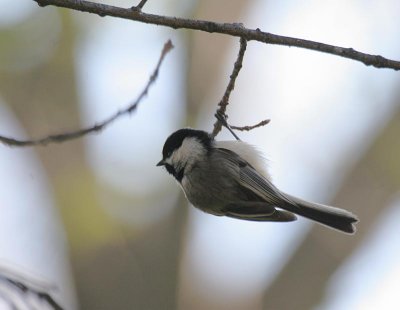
(187, 153)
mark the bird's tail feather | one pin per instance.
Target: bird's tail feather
(330, 216)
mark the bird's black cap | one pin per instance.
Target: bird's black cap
(174, 141)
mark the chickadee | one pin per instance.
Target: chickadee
(228, 178)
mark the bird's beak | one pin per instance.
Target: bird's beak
(161, 163)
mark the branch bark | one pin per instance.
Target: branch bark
(232, 29)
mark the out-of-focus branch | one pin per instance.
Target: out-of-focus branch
(232, 29)
(59, 138)
(24, 289)
(231, 85)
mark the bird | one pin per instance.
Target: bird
(229, 178)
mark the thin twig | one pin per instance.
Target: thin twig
(223, 122)
(139, 6)
(231, 85)
(248, 128)
(58, 138)
(232, 29)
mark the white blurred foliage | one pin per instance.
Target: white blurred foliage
(32, 240)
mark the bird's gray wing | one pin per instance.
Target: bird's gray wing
(250, 179)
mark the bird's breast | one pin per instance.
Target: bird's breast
(203, 195)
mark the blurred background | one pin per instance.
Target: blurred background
(101, 227)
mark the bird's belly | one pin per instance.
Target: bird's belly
(205, 197)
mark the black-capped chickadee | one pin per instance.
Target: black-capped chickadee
(228, 178)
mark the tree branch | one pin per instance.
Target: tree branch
(58, 138)
(232, 29)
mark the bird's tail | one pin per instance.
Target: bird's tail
(330, 216)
